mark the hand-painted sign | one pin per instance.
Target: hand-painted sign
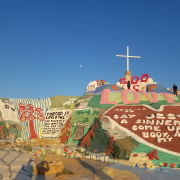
(136, 83)
(159, 129)
(94, 84)
(124, 96)
(54, 121)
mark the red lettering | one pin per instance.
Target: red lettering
(144, 77)
(123, 81)
(136, 81)
(136, 89)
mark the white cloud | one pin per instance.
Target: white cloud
(80, 65)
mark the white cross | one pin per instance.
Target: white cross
(128, 57)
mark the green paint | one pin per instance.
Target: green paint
(70, 140)
(164, 157)
(85, 116)
(57, 101)
(95, 103)
(115, 97)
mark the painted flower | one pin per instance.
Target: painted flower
(66, 150)
(20, 127)
(35, 154)
(11, 136)
(15, 124)
(88, 148)
(95, 150)
(70, 154)
(165, 164)
(173, 165)
(161, 164)
(7, 125)
(11, 126)
(178, 165)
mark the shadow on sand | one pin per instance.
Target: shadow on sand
(26, 172)
(100, 173)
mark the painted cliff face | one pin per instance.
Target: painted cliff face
(155, 128)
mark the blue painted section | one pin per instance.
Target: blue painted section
(100, 88)
(160, 173)
(159, 89)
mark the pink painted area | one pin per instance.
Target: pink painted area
(124, 97)
(105, 97)
(154, 95)
(169, 97)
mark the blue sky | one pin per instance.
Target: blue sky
(44, 42)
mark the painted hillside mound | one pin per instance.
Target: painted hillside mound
(140, 124)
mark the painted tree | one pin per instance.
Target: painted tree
(30, 113)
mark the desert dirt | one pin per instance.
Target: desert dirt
(82, 168)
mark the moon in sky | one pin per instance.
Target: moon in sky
(80, 65)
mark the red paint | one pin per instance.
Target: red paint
(32, 131)
(22, 111)
(89, 134)
(23, 118)
(39, 110)
(110, 146)
(30, 110)
(30, 106)
(173, 165)
(65, 130)
(66, 150)
(136, 81)
(123, 81)
(31, 117)
(70, 154)
(41, 117)
(136, 89)
(27, 112)
(165, 164)
(135, 155)
(153, 154)
(146, 76)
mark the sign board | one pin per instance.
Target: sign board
(159, 129)
(54, 121)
